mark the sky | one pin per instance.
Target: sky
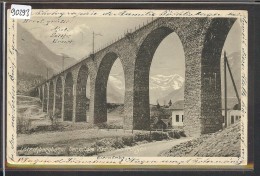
(81, 30)
(168, 59)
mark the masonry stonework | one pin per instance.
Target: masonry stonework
(202, 40)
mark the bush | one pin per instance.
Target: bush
(23, 125)
(101, 143)
(109, 126)
(176, 134)
(141, 137)
(118, 144)
(182, 133)
(128, 140)
(171, 134)
(158, 136)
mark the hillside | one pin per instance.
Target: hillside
(27, 81)
(174, 95)
(224, 143)
(34, 57)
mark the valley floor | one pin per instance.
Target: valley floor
(42, 137)
(81, 139)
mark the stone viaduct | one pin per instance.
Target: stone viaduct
(202, 40)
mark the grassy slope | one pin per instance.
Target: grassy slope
(220, 144)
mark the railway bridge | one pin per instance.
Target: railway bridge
(202, 40)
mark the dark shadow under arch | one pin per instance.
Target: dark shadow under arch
(51, 98)
(58, 98)
(81, 98)
(68, 97)
(45, 98)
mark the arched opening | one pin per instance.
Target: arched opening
(141, 116)
(115, 95)
(211, 115)
(81, 99)
(45, 98)
(68, 98)
(100, 102)
(232, 47)
(166, 83)
(51, 98)
(58, 98)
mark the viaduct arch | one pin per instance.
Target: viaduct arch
(202, 39)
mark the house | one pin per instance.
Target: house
(233, 116)
(233, 112)
(177, 113)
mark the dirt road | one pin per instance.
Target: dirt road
(146, 150)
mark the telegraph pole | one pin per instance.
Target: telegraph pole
(233, 82)
(93, 44)
(225, 85)
(226, 65)
(64, 56)
(93, 47)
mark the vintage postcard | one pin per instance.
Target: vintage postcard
(127, 88)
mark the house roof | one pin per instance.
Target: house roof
(177, 105)
(165, 121)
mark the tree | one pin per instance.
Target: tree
(170, 103)
(158, 105)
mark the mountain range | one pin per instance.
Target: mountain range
(34, 57)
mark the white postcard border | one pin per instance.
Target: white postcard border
(11, 154)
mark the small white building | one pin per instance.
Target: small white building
(177, 118)
(177, 114)
(232, 116)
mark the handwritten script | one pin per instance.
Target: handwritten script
(57, 20)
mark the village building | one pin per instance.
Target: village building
(177, 114)
(233, 113)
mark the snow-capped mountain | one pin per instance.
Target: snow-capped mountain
(160, 86)
(162, 82)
